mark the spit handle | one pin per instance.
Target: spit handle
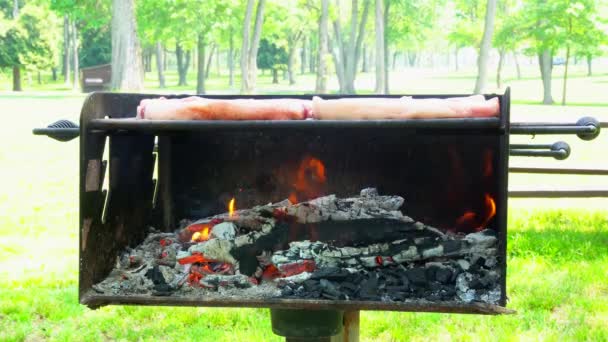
(586, 128)
(62, 130)
(559, 150)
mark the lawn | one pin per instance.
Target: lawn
(558, 249)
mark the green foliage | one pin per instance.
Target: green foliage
(411, 22)
(468, 28)
(28, 41)
(271, 56)
(96, 46)
(87, 13)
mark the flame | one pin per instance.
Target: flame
(202, 235)
(310, 178)
(472, 220)
(491, 207)
(231, 207)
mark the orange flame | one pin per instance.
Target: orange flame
(471, 220)
(201, 235)
(231, 207)
(310, 178)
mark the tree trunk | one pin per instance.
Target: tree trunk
(200, 72)
(385, 43)
(285, 77)
(290, 64)
(395, 55)
(249, 50)
(76, 84)
(589, 59)
(456, 59)
(66, 51)
(501, 57)
(17, 78)
(546, 67)
(517, 65)
(217, 62)
(183, 63)
(15, 9)
(275, 76)
(311, 59)
(413, 57)
(165, 60)
(566, 74)
(321, 83)
(255, 43)
(484, 48)
(245, 87)
(126, 52)
(364, 59)
(380, 57)
(159, 65)
(54, 71)
(209, 59)
(303, 54)
(39, 77)
(231, 59)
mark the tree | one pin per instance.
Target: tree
(508, 36)
(347, 48)
(580, 29)
(321, 81)
(467, 31)
(250, 45)
(272, 57)
(127, 69)
(380, 50)
(484, 47)
(26, 41)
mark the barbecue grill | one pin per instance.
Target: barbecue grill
(453, 174)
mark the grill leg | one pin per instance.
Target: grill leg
(316, 325)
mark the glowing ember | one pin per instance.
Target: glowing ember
(231, 207)
(310, 180)
(491, 208)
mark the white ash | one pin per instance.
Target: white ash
(224, 231)
(215, 249)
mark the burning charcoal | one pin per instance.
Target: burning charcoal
(224, 231)
(216, 280)
(215, 249)
(416, 276)
(297, 278)
(297, 267)
(330, 273)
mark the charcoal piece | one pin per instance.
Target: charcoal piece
(349, 287)
(330, 273)
(392, 289)
(162, 290)
(156, 276)
(369, 287)
(286, 291)
(329, 288)
(451, 246)
(489, 278)
(433, 297)
(435, 286)
(431, 271)
(443, 275)
(416, 276)
(476, 284)
(311, 285)
(330, 296)
(448, 293)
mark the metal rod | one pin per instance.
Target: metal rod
(517, 128)
(558, 193)
(539, 170)
(530, 146)
(558, 154)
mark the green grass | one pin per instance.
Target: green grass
(558, 249)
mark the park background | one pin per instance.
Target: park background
(551, 53)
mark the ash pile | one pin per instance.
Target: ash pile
(357, 248)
